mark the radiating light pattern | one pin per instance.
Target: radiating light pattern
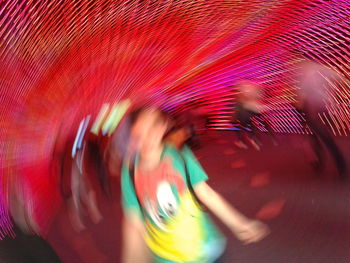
(63, 60)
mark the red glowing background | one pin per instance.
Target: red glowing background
(61, 60)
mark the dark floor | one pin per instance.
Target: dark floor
(308, 213)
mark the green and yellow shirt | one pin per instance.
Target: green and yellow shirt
(177, 230)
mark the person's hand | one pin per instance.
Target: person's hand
(251, 231)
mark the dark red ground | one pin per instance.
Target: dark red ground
(308, 213)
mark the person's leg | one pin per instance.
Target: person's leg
(88, 197)
(243, 118)
(333, 149)
(253, 135)
(74, 203)
(93, 210)
(316, 145)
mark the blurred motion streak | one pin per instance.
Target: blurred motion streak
(62, 61)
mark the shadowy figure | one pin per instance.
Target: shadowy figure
(249, 106)
(192, 118)
(311, 99)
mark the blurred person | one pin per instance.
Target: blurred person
(164, 192)
(193, 120)
(80, 176)
(201, 120)
(118, 146)
(122, 147)
(187, 120)
(83, 194)
(248, 106)
(96, 158)
(81, 165)
(311, 101)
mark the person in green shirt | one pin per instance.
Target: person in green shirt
(164, 192)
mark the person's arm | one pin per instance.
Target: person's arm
(245, 229)
(134, 248)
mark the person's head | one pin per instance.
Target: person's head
(247, 90)
(148, 130)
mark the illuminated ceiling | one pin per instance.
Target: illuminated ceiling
(61, 60)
